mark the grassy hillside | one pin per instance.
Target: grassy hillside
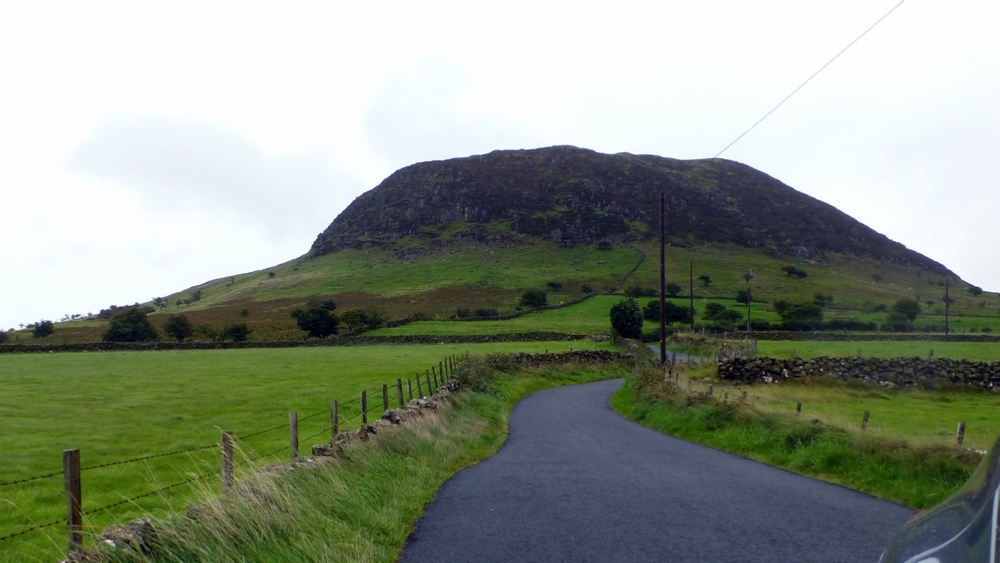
(438, 280)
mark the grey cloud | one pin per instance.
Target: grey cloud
(184, 164)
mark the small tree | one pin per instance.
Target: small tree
(318, 320)
(208, 331)
(554, 285)
(533, 298)
(626, 319)
(178, 327)
(43, 329)
(705, 280)
(673, 289)
(673, 313)
(975, 291)
(742, 296)
(353, 318)
(822, 300)
(3, 336)
(237, 332)
(130, 325)
(906, 308)
(719, 313)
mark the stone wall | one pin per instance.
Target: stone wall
(335, 341)
(864, 337)
(888, 372)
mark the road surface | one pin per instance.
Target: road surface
(577, 482)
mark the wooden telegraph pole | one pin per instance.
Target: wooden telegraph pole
(663, 285)
(947, 306)
(691, 295)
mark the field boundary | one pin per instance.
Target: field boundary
(335, 341)
(864, 337)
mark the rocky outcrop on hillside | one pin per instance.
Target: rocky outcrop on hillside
(576, 196)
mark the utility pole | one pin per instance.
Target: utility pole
(691, 295)
(748, 308)
(663, 285)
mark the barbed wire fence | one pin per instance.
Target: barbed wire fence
(339, 420)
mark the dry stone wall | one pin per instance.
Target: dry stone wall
(887, 372)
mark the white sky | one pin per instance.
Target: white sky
(147, 148)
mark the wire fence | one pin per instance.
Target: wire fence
(370, 401)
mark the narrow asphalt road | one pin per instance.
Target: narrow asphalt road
(577, 482)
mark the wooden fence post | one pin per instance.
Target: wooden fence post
(709, 389)
(441, 371)
(427, 374)
(420, 390)
(334, 419)
(409, 387)
(293, 433)
(385, 397)
(436, 384)
(399, 391)
(74, 515)
(798, 408)
(960, 436)
(227, 460)
(364, 407)
(864, 422)
(931, 355)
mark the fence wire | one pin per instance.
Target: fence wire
(27, 479)
(149, 494)
(285, 425)
(32, 529)
(133, 460)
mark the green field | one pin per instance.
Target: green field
(115, 406)
(985, 351)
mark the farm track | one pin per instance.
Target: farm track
(577, 482)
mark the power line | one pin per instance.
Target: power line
(849, 45)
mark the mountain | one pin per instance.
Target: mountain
(574, 196)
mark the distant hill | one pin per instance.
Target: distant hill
(574, 196)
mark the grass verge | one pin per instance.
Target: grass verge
(361, 505)
(918, 476)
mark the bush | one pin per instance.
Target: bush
(318, 320)
(533, 298)
(586, 288)
(626, 319)
(794, 272)
(3, 336)
(178, 327)
(130, 325)
(555, 285)
(43, 329)
(604, 245)
(673, 289)
(721, 314)
(462, 312)
(237, 332)
(742, 296)
(674, 313)
(636, 292)
(822, 300)
(486, 312)
(904, 309)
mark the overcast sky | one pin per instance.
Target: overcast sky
(146, 148)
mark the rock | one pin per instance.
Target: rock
(134, 534)
(327, 450)
(392, 417)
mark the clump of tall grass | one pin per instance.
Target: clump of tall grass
(916, 475)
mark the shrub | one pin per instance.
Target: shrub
(975, 291)
(486, 312)
(822, 300)
(462, 313)
(586, 288)
(364, 319)
(237, 332)
(673, 289)
(3, 336)
(794, 272)
(705, 280)
(318, 320)
(533, 298)
(742, 296)
(208, 331)
(43, 329)
(905, 309)
(626, 319)
(178, 327)
(674, 313)
(130, 325)
(721, 314)
(604, 245)
(555, 285)
(244, 312)
(636, 292)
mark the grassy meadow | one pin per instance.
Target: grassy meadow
(984, 351)
(120, 405)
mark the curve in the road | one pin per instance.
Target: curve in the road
(577, 482)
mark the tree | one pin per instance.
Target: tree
(555, 285)
(353, 318)
(129, 325)
(604, 245)
(533, 298)
(672, 313)
(822, 300)
(639, 291)
(673, 289)
(43, 329)
(318, 320)
(208, 331)
(626, 319)
(975, 291)
(794, 272)
(178, 327)
(742, 296)
(801, 313)
(705, 280)
(237, 332)
(717, 312)
(906, 308)
(3, 336)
